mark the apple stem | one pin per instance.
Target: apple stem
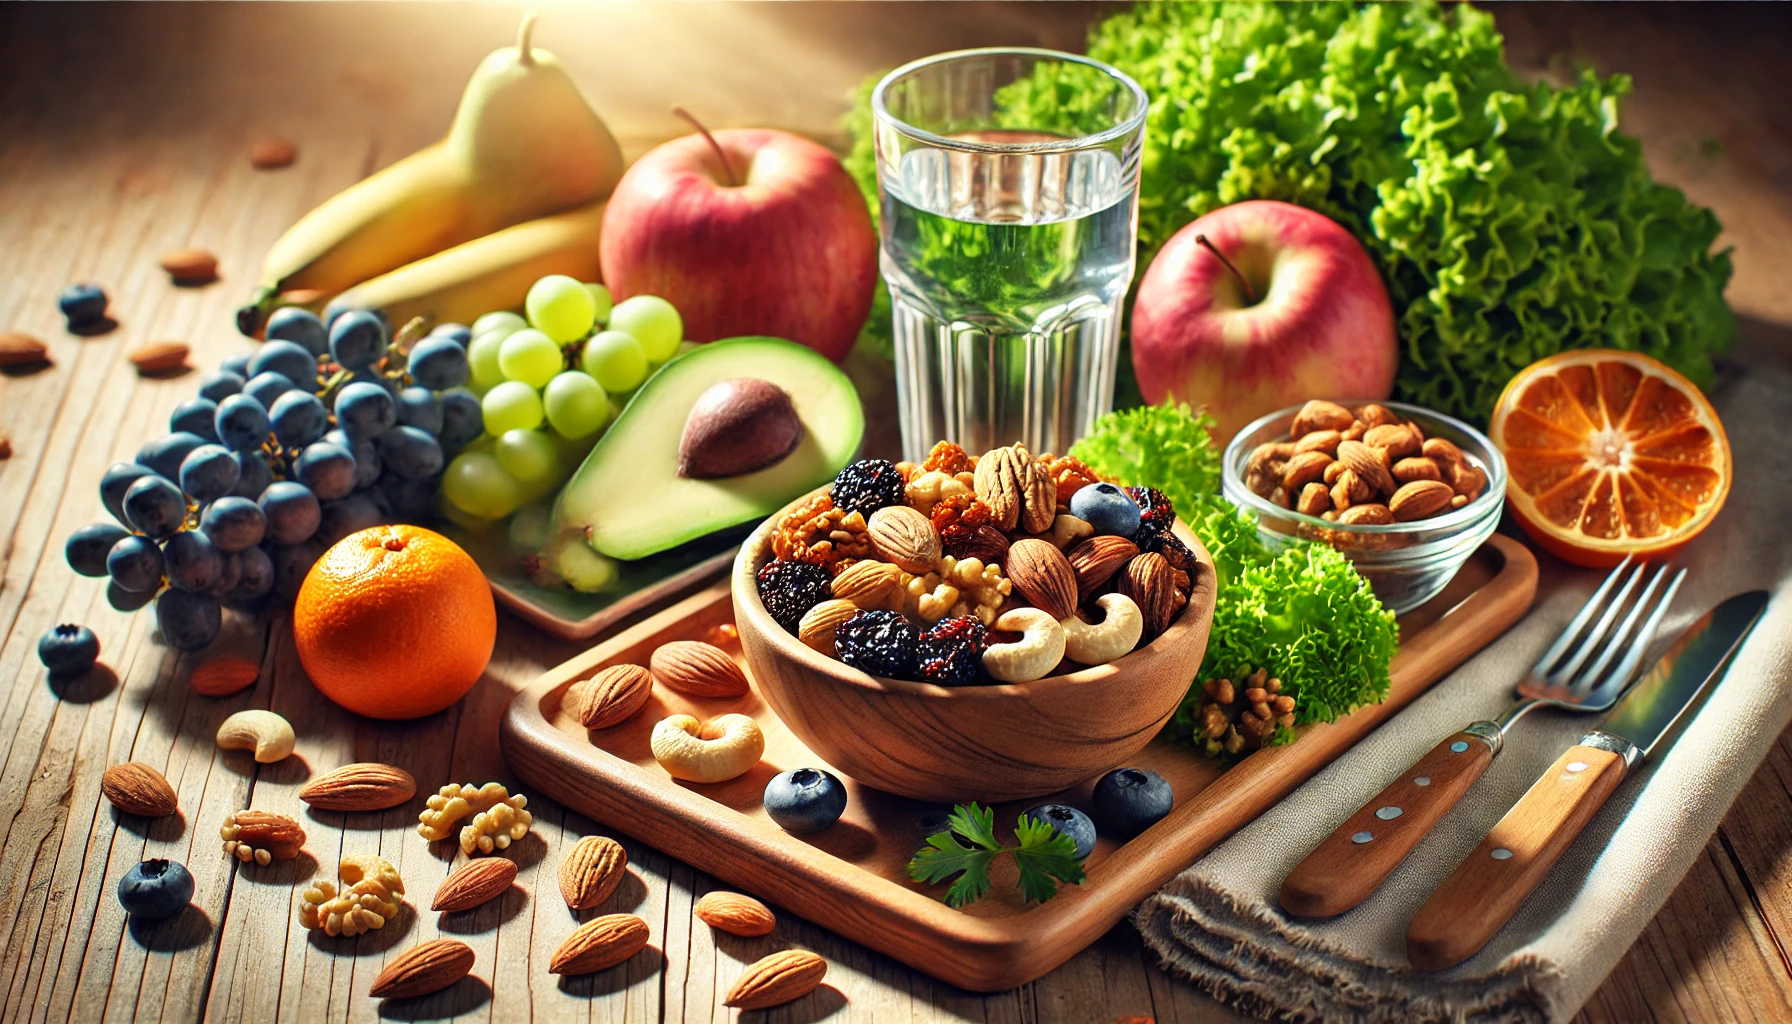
(1249, 292)
(523, 32)
(727, 167)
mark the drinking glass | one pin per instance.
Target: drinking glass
(1008, 184)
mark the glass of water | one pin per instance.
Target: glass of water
(1008, 181)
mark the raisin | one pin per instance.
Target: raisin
(1155, 513)
(882, 643)
(789, 589)
(866, 486)
(958, 517)
(951, 653)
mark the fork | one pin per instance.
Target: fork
(1586, 670)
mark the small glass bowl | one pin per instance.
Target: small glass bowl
(1406, 563)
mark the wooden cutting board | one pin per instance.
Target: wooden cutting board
(851, 877)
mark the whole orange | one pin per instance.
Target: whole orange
(395, 622)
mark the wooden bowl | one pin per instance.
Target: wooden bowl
(950, 744)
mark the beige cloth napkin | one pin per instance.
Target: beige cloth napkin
(1218, 923)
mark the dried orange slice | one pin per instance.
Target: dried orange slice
(1610, 454)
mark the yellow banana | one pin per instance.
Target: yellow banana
(494, 272)
(525, 143)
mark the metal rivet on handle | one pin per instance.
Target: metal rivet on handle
(1502, 854)
(1387, 813)
(1362, 837)
(1459, 746)
(1577, 766)
(1423, 780)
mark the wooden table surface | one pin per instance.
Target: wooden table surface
(123, 133)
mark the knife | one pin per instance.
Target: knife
(1487, 887)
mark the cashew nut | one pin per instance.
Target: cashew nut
(1113, 637)
(1037, 652)
(264, 732)
(721, 750)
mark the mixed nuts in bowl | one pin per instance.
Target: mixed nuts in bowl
(953, 630)
(1405, 493)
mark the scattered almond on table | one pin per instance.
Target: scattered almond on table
(591, 871)
(190, 266)
(423, 969)
(272, 152)
(599, 943)
(135, 788)
(364, 786)
(474, 883)
(222, 677)
(777, 979)
(610, 697)
(159, 357)
(20, 349)
(735, 914)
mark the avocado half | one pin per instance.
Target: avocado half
(628, 495)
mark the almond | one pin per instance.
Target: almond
(1319, 415)
(599, 943)
(1400, 439)
(904, 536)
(1042, 575)
(1366, 515)
(222, 677)
(1466, 480)
(819, 623)
(735, 914)
(420, 970)
(20, 349)
(1416, 468)
(1150, 580)
(777, 979)
(591, 871)
(1370, 465)
(611, 697)
(1442, 449)
(5, 447)
(136, 788)
(159, 357)
(1419, 499)
(698, 669)
(990, 545)
(867, 583)
(1096, 560)
(366, 786)
(476, 882)
(1375, 415)
(1303, 469)
(1315, 498)
(272, 152)
(190, 266)
(1319, 441)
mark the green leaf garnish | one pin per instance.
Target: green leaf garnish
(1044, 857)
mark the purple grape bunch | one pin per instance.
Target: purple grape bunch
(324, 430)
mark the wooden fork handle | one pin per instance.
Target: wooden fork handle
(1355, 859)
(1487, 888)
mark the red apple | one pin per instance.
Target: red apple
(1313, 321)
(777, 242)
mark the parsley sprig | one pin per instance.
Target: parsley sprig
(1045, 857)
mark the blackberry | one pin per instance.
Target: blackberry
(879, 642)
(789, 589)
(951, 653)
(866, 486)
(1155, 512)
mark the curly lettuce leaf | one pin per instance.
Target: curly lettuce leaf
(1168, 445)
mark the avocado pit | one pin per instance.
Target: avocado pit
(736, 426)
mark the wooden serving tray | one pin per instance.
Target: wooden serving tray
(851, 877)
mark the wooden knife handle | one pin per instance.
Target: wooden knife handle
(1487, 888)
(1353, 861)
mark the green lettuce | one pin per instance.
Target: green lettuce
(1510, 221)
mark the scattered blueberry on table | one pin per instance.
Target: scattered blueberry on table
(68, 649)
(805, 800)
(1128, 801)
(83, 305)
(155, 890)
(1066, 821)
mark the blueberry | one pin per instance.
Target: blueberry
(191, 561)
(188, 621)
(1128, 801)
(327, 469)
(67, 650)
(88, 547)
(233, 523)
(266, 388)
(166, 453)
(462, 420)
(253, 475)
(287, 359)
(364, 409)
(298, 419)
(155, 890)
(196, 416)
(292, 511)
(83, 305)
(155, 507)
(118, 479)
(357, 339)
(135, 565)
(301, 327)
(439, 364)
(805, 800)
(238, 365)
(419, 407)
(1107, 508)
(410, 453)
(460, 334)
(210, 473)
(1066, 821)
(242, 423)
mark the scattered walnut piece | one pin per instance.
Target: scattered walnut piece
(1236, 718)
(1068, 474)
(373, 895)
(453, 802)
(497, 828)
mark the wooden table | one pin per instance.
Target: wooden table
(123, 133)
